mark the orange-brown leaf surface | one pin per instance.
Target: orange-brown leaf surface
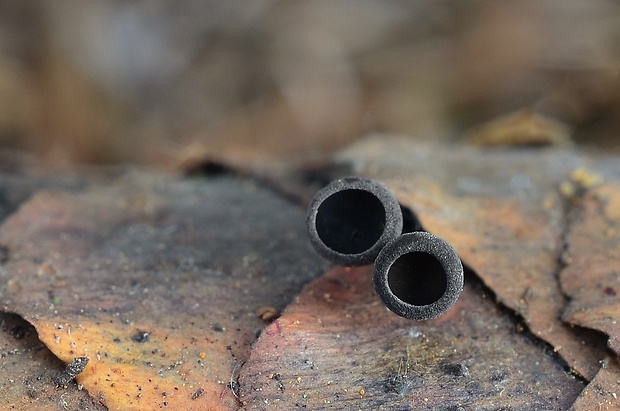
(592, 275)
(502, 212)
(602, 393)
(164, 283)
(157, 281)
(338, 347)
(29, 372)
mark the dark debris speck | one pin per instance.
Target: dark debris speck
(499, 376)
(140, 336)
(398, 383)
(198, 393)
(73, 369)
(455, 370)
(18, 332)
(4, 253)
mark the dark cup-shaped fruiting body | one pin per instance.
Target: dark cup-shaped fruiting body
(352, 219)
(418, 276)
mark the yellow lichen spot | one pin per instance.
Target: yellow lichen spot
(298, 380)
(585, 178)
(580, 181)
(567, 189)
(202, 355)
(362, 392)
(548, 203)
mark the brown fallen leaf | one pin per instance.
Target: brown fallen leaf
(592, 275)
(338, 347)
(156, 280)
(501, 211)
(28, 372)
(523, 127)
(603, 392)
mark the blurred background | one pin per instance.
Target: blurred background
(162, 82)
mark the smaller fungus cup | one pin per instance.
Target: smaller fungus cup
(418, 276)
(352, 219)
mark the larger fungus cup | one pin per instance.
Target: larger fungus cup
(351, 220)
